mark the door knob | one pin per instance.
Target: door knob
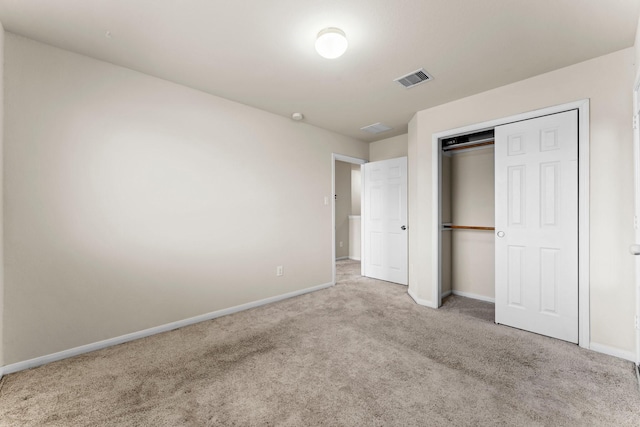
(500, 233)
(634, 249)
(404, 227)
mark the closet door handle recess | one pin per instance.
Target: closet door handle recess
(500, 233)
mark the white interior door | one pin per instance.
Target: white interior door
(384, 213)
(635, 248)
(536, 172)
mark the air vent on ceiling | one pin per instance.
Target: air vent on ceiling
(376, 128)
(414, 79)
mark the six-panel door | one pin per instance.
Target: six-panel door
(385, 220)
(536, 205)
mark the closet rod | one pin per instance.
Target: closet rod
(468, 227)
(465, 147)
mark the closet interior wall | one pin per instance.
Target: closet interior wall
(468, 199)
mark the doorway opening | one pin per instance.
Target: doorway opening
(346, 202)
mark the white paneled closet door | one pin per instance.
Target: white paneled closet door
(536, 172)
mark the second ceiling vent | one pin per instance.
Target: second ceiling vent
(414, 78)
(376, 128)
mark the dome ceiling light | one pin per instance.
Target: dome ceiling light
(331, 43)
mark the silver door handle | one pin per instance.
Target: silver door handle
(500, 233)
(404, 227)
(634, 249)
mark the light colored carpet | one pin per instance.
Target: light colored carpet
(359, 353)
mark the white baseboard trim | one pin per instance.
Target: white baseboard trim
(38, 361)
(474, 296)
(612, 351)
(420, 301)
(445, 294)
(354, 258)
(341, 258)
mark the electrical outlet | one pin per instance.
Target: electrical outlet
(279, 270)
(340, 244)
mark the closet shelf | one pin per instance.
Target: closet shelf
(467, 146)
(466, 227)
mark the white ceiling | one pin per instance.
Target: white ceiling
(260, 52)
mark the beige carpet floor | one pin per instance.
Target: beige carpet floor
(359, 353)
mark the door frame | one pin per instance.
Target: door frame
(347, 159)
(584, 329)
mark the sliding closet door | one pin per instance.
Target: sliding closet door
(536, 172)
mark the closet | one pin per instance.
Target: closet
(467, 215)
(508, 210)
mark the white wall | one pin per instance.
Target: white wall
(131, 202)
(355, 237)
(472, 200)
(607, 81)
(446, 237)
(389, 148)
(356, 189)
(343, 207)
(636, 47)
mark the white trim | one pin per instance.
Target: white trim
(636, 210)
(354, 258)
(612, 351)
(474, 296)
(363, 209)
(584, 287)
(341, 258)
(349, 159)
(436, 203)
(32, 363)
(420, 301)
(333, 217)
(468, 295)
(584, 334)
(346, 159)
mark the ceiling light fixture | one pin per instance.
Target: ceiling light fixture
(297, 116)
(331, 43)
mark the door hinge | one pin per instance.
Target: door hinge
(637, 322)
(635, 121)
(635, 222)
